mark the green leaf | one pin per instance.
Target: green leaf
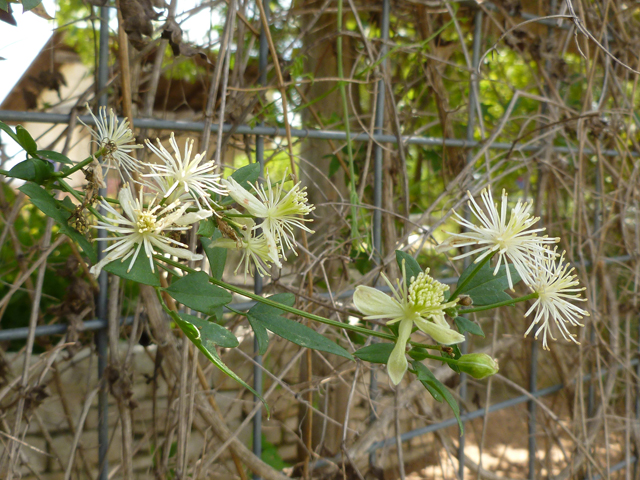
(4, 5)
(30, 4)
(140, 271)
(195, 291)
(193, 334)
(465, 325)
(375, 353)
(26, 141)
(262, 336)
(217, 255)
(6, 128)
(486, 288)
(437, 389)
(334, 165)
(258, 309)
(412, 269)
(299, 334)
(211, 332)
(53, 156)
(244, 176)
(32, 170)
(207, 227)
(54, 209)
(287, 299)
(419, 353)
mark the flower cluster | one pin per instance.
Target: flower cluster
(514, 240)
(422, 304)
(182, 189)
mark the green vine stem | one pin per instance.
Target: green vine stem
(78, 166)
(531, 296)
(295, 311)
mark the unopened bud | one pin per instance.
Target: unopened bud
(465, 301)
(478, 365)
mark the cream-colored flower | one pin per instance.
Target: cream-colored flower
(116, 138)
(281, 212)
(254, 248)
(421, 304)
(513, 239)
(187, 178)
(145, 227)
(556, 287)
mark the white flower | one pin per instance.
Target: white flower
(184, 178)
(146, 227)
(555, 285)
(116, 138)
(253, 247)
(422, 303)
(280, 213)
(513, 240)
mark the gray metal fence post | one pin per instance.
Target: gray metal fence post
(377, 184)
(101, 335)
(257, 286)
(473, 91)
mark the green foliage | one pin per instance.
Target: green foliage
(270, 318)
(140, 271)
(32, 170)
(211, 333)
(437, 390)
(193, 333)
(244, 176)
(271, 456)
(217, 256)
(465, 325)
(411, 266)
(375, 353)
(195, 291)
(485, 288)
(60, 213)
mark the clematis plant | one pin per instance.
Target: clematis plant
(147, 228)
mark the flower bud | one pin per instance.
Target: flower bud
(478, 365)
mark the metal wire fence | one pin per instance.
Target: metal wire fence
(259, 131)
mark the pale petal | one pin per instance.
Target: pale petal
(371, 301)
(193, 217)
(272, 246)
(244, 198)
(397, 365)
(440, 334)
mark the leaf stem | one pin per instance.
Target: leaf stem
(473, 273)
(499, 304)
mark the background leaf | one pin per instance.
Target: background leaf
(244, 176)
(375, 353)
(140, 272)
(217, 256)
(412, 268)
(53, 208)
(32, 170)
(211, 332)
(438, 390)
(465, 325)
(195, 291)
(53, 156)
(192, 332)
(269, 317)
(26, 141)
(486, 288)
